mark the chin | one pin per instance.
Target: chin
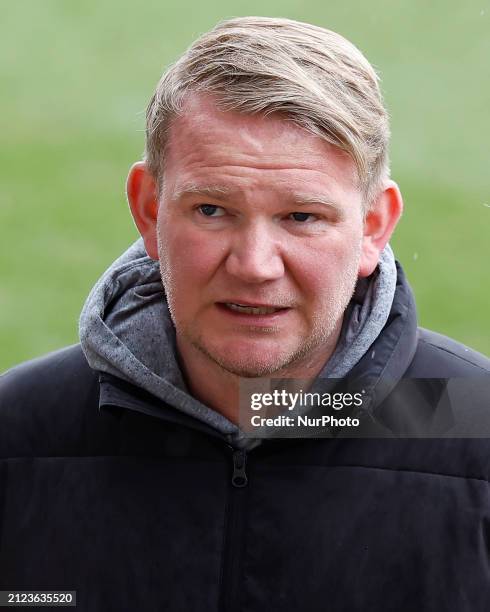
(249, 360)
(250, 369)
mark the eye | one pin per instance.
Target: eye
(302, 217)
(210, 210)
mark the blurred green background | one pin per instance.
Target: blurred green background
(76, 78)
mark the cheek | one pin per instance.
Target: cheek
(325, 268)
(189, 255)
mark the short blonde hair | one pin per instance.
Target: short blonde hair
(310, 75)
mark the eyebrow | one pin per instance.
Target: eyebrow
(211, 191)
(302, 199)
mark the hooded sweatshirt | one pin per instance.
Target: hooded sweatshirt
(126, 330)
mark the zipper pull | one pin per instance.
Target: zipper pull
(239, 478)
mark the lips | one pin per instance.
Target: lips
(252, 310)
(257, 315)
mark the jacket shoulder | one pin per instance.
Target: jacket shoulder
(45, 404)
(438, 356)
(67, 359)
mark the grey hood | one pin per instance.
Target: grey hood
(126, 330)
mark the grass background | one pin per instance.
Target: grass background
(75, 79)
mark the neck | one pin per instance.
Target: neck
(220, 389)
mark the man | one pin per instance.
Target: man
(265, 209)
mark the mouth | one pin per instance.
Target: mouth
(258, 313)
(251, 309)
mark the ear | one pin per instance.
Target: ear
(141, 190)
(379, 224)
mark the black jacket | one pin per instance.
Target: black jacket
(136, 506)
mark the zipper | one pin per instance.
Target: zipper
(239, 478)
(234, 533)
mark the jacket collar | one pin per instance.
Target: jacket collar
(116, 393)
(387, 360)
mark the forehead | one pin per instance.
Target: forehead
(205, 142)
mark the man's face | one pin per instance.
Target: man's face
(259, 232)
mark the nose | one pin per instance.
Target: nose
(255, 254)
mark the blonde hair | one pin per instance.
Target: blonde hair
(310, 75)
